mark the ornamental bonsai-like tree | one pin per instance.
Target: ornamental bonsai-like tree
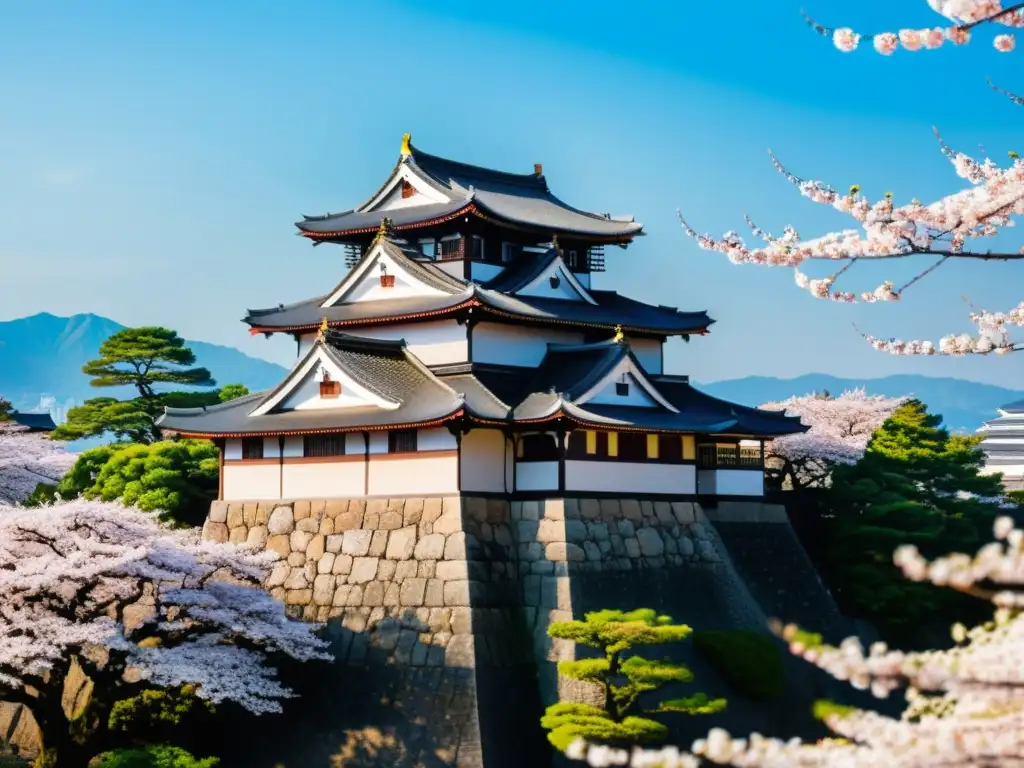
(623, 680)
(136, 606)
(141, 358)
(5, 409)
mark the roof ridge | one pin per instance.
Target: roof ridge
(341, 340)
(233, 403)
(524, 179)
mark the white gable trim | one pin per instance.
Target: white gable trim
(559, 268)
(369, 268)
(318, 356)
(627, 366)
(404, 173)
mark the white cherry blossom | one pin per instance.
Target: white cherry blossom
(27, 459)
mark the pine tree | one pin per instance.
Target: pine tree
(622, 680)
(916, 484)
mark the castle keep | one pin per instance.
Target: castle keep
(475, 440)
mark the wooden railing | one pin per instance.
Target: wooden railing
(451, 249)
(725, 456)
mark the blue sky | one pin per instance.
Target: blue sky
(154, 156)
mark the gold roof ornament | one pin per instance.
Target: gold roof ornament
(619, 335)
(384, 230)
(407, 145)
(323, 330)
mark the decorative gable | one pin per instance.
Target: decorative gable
(556, 281)
(404, 189)
(626, 384)
(320, 383)
(381, 276)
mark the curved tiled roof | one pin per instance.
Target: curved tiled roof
(520, 199)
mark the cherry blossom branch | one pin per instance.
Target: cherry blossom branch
(966, 13)
(1018, 100)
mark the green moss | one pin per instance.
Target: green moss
(749, 661)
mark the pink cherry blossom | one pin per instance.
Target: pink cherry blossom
(846, 40)
(1004, 43)
(28, 459)
(840, 428)
(886, 43)
(934, 38)
(163, 605)
(911, 39)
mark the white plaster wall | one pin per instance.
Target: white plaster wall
(536, 475)
(378, 442)
(635, 397)
(434, 343)
(305, 344)
(648, 353)
(438, 439)
(294, 447)
(306, 395)
(739, 482)
(421, 475)
(484, 458)
(368, 287)
(481, 272)
(252, 481)
(613, 477)
(584, 278)
(324, 480)
(232, 449)
(355, 444)
(541, 285)
(515, 345)
(271, 447)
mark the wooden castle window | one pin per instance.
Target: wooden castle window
(408, 190)
(633, 446)
(403, 441)
(622, 388)
(252, 448)
(323, 445)
(555, 281)
(538, 447)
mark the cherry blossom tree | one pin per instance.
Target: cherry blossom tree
(935, 232)
(965, 705)
(28, 459)
(840, 428)
(135, 605)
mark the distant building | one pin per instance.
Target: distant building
(36, 422)
(468, 351)
(1004, 445)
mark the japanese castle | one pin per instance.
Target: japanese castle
(1003, 445)
(468, 350)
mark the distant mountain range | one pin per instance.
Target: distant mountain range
(964, 405)
(41, 359)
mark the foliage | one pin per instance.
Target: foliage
(750, 661)
(131, 420)
(840, 428)
(144, 357)
(5, 409)
(26, 460)
(935, 232)
(622, 680)
(167, 608)
(232, 392)
(162, 715)
(176, 479)
(916, 484)
(162, 756)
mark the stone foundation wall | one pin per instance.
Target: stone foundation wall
(440, 607)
